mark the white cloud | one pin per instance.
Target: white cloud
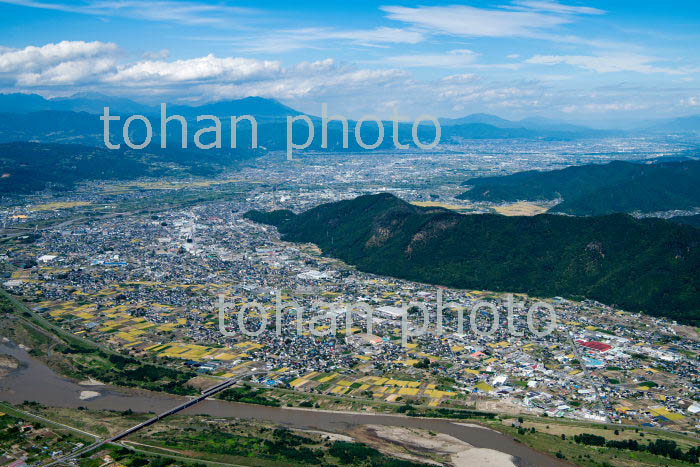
(608, 63)
(598, 108)
(461, 78)
(57, 69)
(98, 66)
(63, 63)
(382, 35)
(36, 58)
(556, 7)
(72, 72)
(306, 38)
(453, 59)
(336, 83)
(196, 69)
(692, 101)
(318, 66)
(534, 19)
(159, 55)
(180, 12)
(470, 21)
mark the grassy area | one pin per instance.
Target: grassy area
(260, 445)
(204, 440)
(248, 395)
(521, 209)
(165, 455)
(101, 423)
(557, 437)
(569, 429)
(28, 413)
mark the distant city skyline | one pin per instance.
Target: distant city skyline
(593, 62)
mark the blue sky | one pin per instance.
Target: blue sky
(587, 61)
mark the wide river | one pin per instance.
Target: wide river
(34, 381)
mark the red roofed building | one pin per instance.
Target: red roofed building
(594, 345)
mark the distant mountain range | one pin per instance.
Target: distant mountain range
(599, 188)
(690, 124)
(82, 102)
(532, 124)
(68, 127)
(639, 265)
(684, 125)
(74, 120)
(56, 114)
(94, 103)
(261, 108)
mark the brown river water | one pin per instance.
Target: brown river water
(34, 381)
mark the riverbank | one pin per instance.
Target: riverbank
(492, 442)
(36, 382)
(8, 364)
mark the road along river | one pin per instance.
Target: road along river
(34, 381)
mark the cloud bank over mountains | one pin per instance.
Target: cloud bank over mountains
(516, 59)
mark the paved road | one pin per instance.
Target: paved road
(98, 444)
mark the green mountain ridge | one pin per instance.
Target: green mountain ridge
(647, 265)
(598, 189)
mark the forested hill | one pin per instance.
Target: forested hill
(645, 265)
(598, 189)
(28, 167)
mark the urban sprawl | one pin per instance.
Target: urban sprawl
(147, 284)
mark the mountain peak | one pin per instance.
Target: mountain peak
(260, 107)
